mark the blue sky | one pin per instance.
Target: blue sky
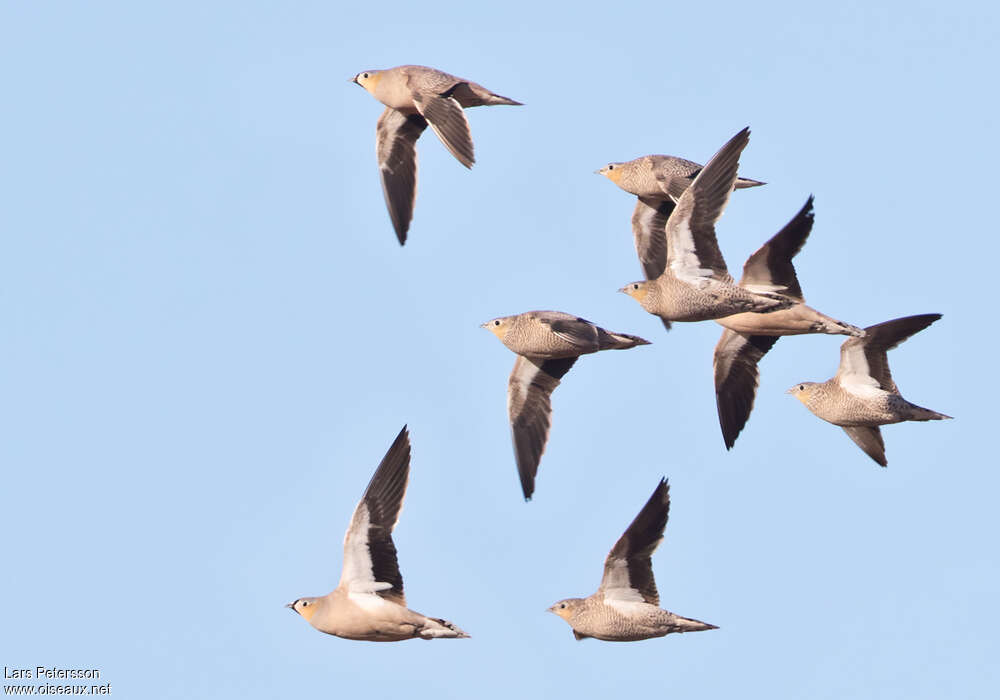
(212, 336)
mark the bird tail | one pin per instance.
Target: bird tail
(620, 341)
(495, 99)
(744, 182)
(686, 624)
(920, 413)
(436, 628)
(835, 327)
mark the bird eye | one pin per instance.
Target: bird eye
(611, 167)
(496, 323)
(635, 286)
(305, 603)
(562, 605)
(802, 387)
(364, 75)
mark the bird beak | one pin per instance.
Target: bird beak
(597, 172)
(291, 606)
(353, 80)
(790, 391)
(623, 290)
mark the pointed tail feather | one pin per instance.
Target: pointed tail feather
(495, 99)
(685, 624)
(621, 341)
(441, 629)
(922, 414)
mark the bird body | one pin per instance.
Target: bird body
(369, 604)
(861, 405)
(863, 396)
(626, 607)
(625, 621)
(673, 298)
(547, 344)
(798, 319)
(660, 176)
(415, 97)
(364, 616)
(554, 334)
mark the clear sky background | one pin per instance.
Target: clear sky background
(211, 337)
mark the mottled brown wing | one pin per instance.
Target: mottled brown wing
(736, 375)
(396, 137)
(869, 439)
(866, 356)
(649, 230)
(628, 569)
(447, 118)
(692, 249)
(770, 269)
(577, 331)
(529, 408)
(370, 563)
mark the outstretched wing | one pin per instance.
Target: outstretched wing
(529, 408)
(736, 376)
(396, 137)
(770, 269)
(628, 570)
(692, 249)
(370, 564)
(447, 118)
(870, 440)
(649, 229)
(863, 361)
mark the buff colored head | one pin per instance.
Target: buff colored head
(636, 290)
(306, 607)
(498, 326)
(803, 391)
(566, 608)
(368, 79)
(612, 171)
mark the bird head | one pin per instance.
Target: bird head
(305, 607)
(566, 608)
(497, 326)
(636, 290)
(802, 391)
(368, 79)
(612, 171)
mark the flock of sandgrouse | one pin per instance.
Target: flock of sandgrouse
(686, 279)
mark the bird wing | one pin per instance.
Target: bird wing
(579, 332)
(863, 360)
(396, 137)
(735, 365)
(870, 440)
(370, 564)
(674, 175)
(529, 408)
(692, 250)
(628, 570)
(649, 229)
(770, 269)
(447, 118)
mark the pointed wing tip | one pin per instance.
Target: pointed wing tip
(400, 228)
